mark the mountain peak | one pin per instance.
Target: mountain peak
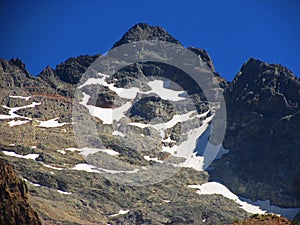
(144, 31)
(258, 72)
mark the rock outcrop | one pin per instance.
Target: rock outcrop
(14, 206)
(265, 220)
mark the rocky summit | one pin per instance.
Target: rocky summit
(140, 145)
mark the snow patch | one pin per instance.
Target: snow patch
(211, 188)
(13, 110)
(20, 97)
(88, 151)
(86, 167)
(107, 115)
(52, 167)
(118, 133)
(28, 156)
(64, 192)
(257, 207)
(186, 148)
(61, 151)
(157, 87)
(155, 159)
(93, 169)
(36, 185)
(17, 122)
(121, 212)
(51, 123)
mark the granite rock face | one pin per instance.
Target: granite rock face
(263, 115)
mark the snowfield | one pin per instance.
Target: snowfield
(258, 207)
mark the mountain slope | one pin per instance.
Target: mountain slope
(74, 182)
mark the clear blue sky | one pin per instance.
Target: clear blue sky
(45, 33)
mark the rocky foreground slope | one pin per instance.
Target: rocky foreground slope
(73, 179)
(14, 205)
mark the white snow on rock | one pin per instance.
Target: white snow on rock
(52, 167)
(28, 156)
(20, 97)
(167, 201)
(93, 169)
(13, 123)
(88, 151)
(289, 213)
(107, 115)
(13, 110)
(118, 133)
(121, 212)
(169, 140)
(86, 167)
(51, 123)
(157, 87)
(161, 127)
(186, 148)
(61, 151)
(155, 159)
(64, 192)
(258, 207)
(140, 125)
(207, 150)
(211, 188)
(34, 184)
